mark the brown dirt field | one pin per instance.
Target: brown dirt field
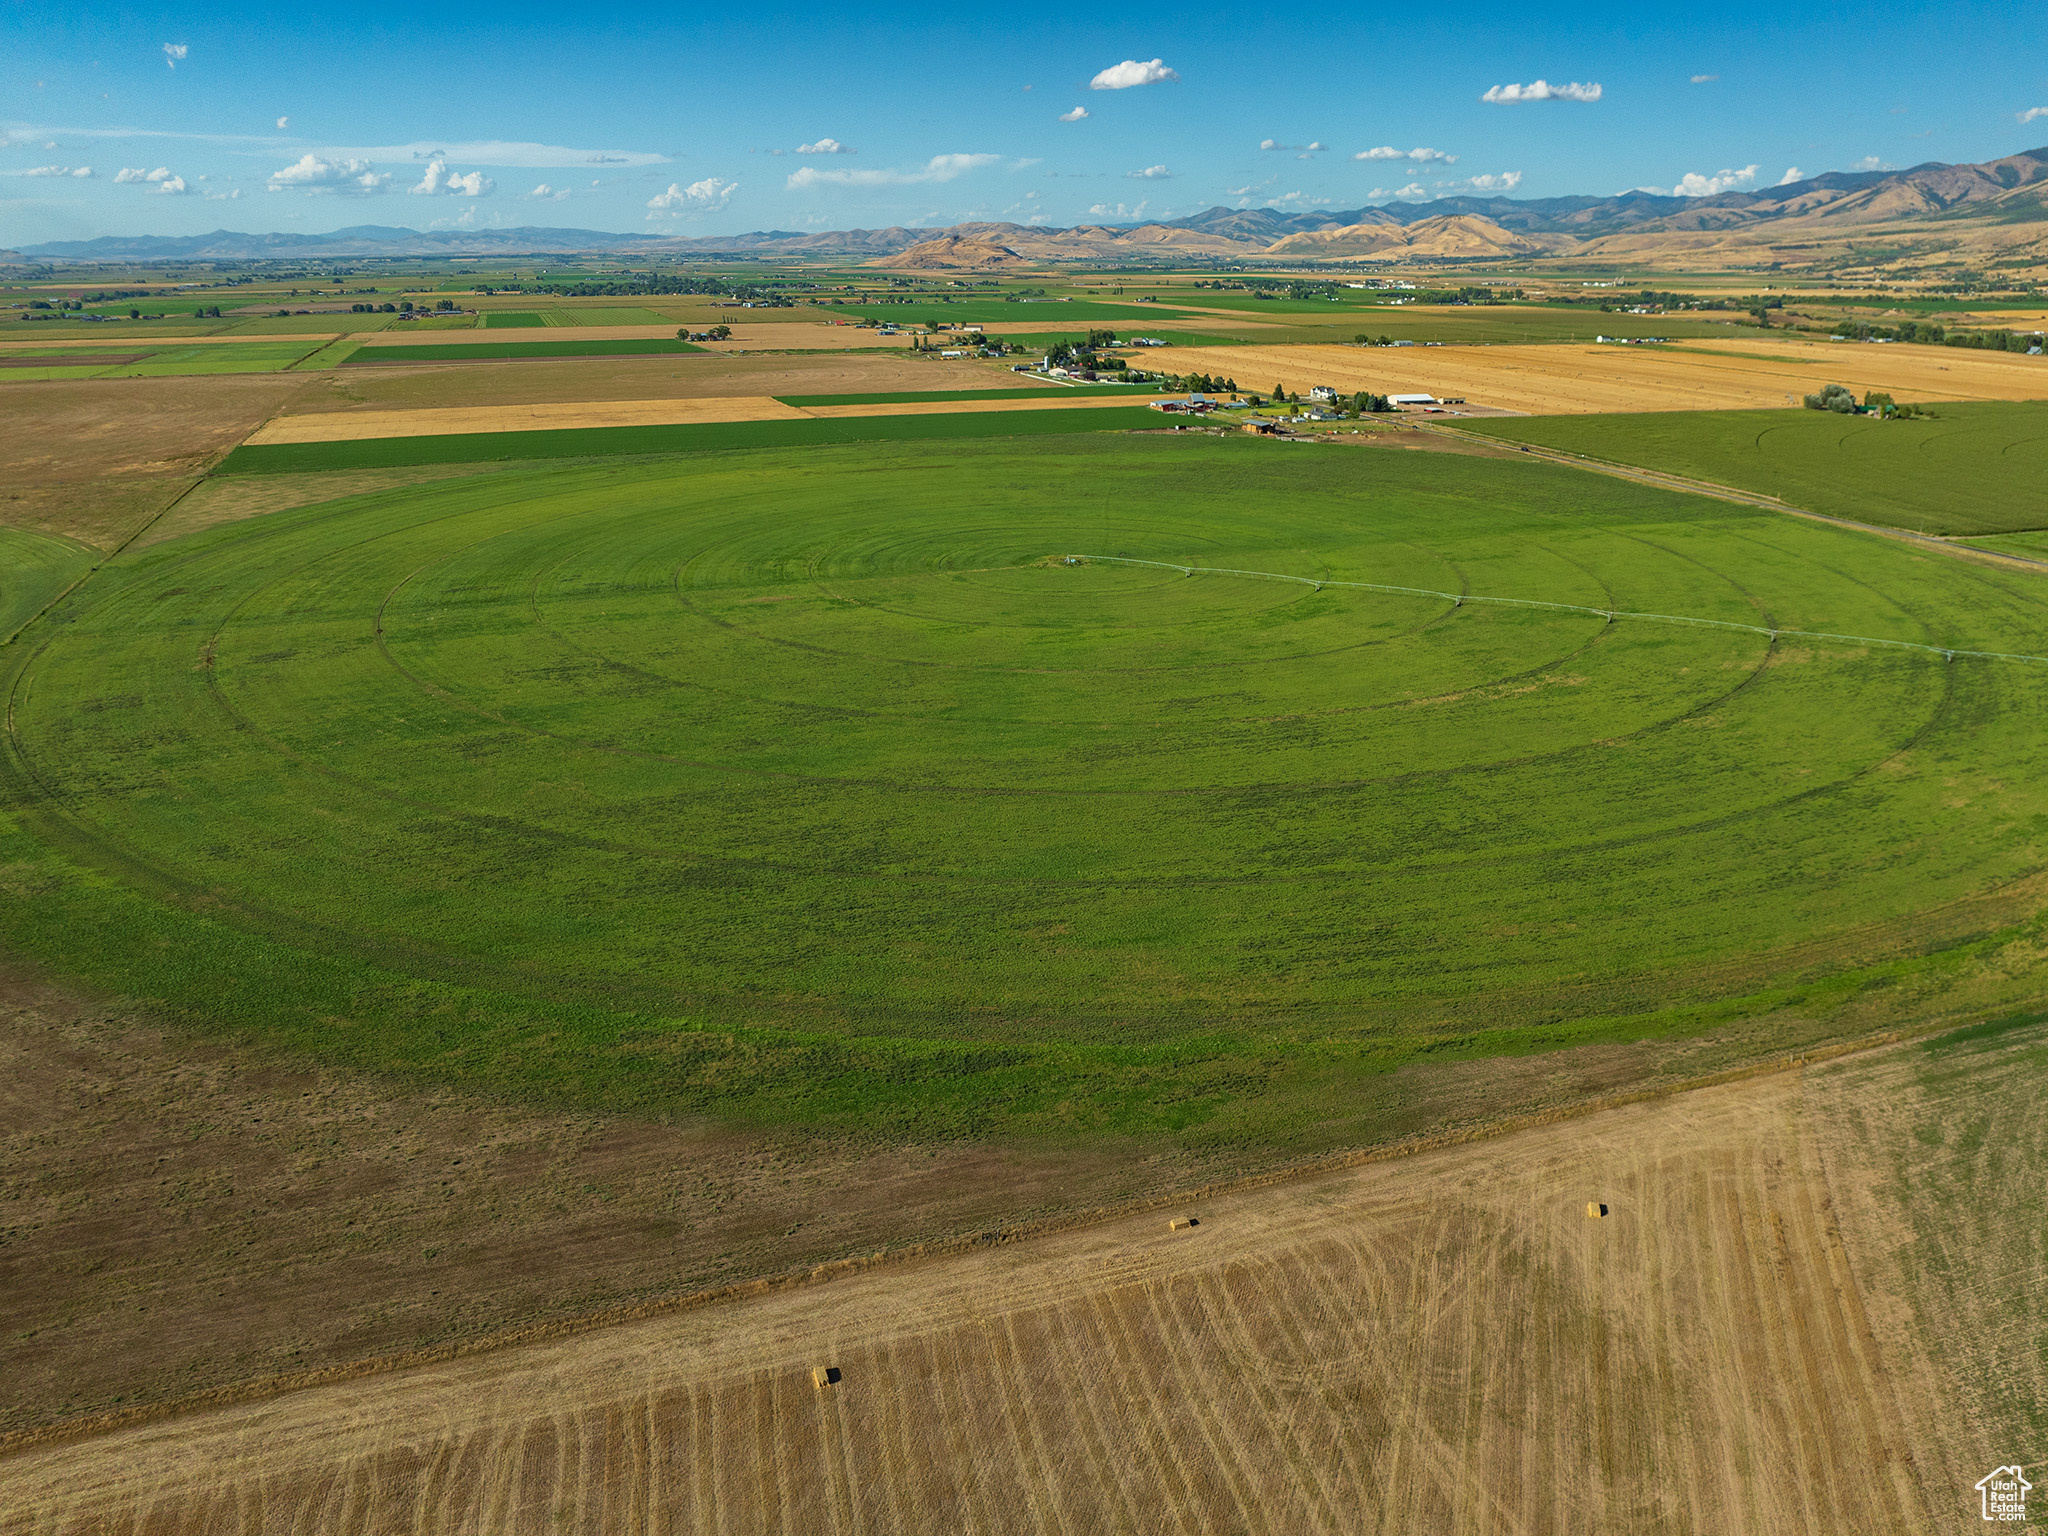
(1753, 1340)
(95, 458)
(750, 335)
(231, 499)
(97, 512)
(178, 1212)
(640, 378)
(502, 334)
(1570, 379)
(347, 427)
(157, 341)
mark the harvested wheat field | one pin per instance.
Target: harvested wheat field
(638, 378)
(1760, 1336)
(1555, 380)
(356, 426)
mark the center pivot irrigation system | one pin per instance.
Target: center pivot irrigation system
(1459, 599)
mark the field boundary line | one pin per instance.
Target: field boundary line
(98, 565)
(1670, 480)
(1459, 599)
(264, 1388)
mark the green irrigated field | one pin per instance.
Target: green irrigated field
(511, 319)
(996, 311)
(592, 442)
(814, 786)
(1979, 467)
(940, 396)
(34, 567)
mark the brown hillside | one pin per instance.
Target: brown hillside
(1458, 234)
(952, 253)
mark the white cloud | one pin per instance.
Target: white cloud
(1413, 189)
(129, 173)
(1273, 144)
(2031, 113)
(1792, 174)
(1074, 116)
(81, 172)
(56, 170)
(549, 194)
(1317, 146)
(1543, 90)
(1121, 77)
(170, 186)
(1421, 155)
(1506, 181)
(1694, 184)
(1704, 79)
(310, 173)
(1150, 173)
(439, 180)
(160, 174)
(825, 147)
(496, 153)
(283, 123)
(1872, 163)
(706, 196)
(173, 52)
(224, 197)
(938, 168)
(1295, 200)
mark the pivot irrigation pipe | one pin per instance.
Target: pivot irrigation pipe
(1458, 599)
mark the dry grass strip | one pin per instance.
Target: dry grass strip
(451, 421)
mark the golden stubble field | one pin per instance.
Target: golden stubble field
(1566, 379)
(354, 426)
(1756, 1338)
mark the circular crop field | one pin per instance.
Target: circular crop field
(819, 784)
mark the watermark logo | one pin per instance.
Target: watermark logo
(2004, 1491)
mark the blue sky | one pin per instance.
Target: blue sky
(180, 119)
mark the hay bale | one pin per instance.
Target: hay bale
(1182, 1223)
(1595, 1210)
(823, 1376)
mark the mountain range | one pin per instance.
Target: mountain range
(1929, 209)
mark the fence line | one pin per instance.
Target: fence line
(1458, 599)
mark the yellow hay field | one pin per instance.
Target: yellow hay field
(1553, 380)
(344, 426)
(448, 421)
(1441, 1344)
